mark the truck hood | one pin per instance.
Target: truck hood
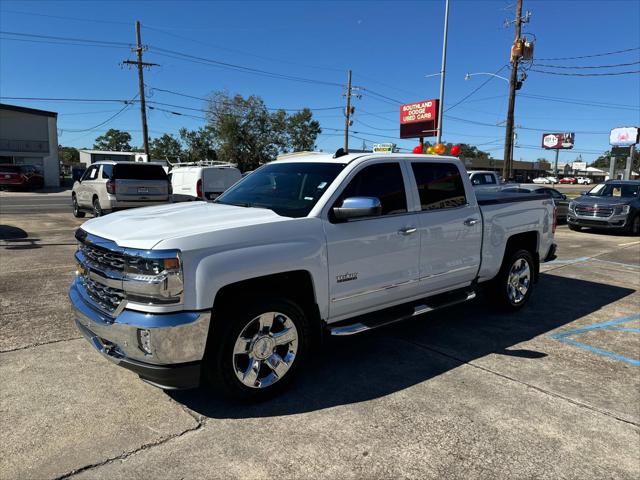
(595, 200)
(145, 227)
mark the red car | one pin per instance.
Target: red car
(569, 180)
(23, 177)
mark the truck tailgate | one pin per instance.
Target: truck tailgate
(129, 190)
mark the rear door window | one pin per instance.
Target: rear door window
(107, 171)
(137, 171)
(439, 185)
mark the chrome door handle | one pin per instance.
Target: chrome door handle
(407, 230)
(470, 222)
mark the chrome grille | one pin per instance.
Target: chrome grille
(107, 298)
(103, 259)
(594, 211)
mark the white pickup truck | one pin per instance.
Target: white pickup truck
(236, 293)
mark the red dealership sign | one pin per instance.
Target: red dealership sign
(419, 119)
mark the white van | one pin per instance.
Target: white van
(202, 182)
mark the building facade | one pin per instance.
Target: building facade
(30, 137)
(87, 157)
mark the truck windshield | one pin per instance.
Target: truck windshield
(289, 189)
(615, 190)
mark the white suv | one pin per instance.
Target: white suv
(108, 186)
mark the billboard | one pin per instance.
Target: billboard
(419, 119)
(558, 141)
(623, 136)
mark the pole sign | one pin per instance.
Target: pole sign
(419, 119)
(384, 147)
(623, 136)
(558, 141)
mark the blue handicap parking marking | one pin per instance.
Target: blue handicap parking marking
(611, 325)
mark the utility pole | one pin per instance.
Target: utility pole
(513, 81)
(143, 106)
(347, 114)
(443, 68)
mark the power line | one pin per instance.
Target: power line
(593, 55)
(586, 66)
(615, 106)
(57, 99)
(128, 104)
(476, 89)
(630, 72)
(205, 99)
(53, 42)
(114, 22)
(71, 39)
(242, 68)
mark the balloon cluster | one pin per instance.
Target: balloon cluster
(437, 149)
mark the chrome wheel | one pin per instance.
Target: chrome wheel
(265, 350)
(97, 210)
(518, 280)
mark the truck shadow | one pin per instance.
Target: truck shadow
(381, 362)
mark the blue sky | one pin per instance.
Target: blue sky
(390, 46)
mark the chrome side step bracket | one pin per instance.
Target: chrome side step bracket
(343, 329)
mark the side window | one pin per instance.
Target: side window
(382, 180)
(107, 171)
(488, 178)
(439, 184)
(93, 173)
(88, 173)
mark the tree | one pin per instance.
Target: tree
(114, 140)
(68, 155)
(302, 131)
(199, 144)
(166, 147)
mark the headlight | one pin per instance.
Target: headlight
(153, 277)
(572, 206)
(621, 209)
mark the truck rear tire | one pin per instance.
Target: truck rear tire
(512, 287)
(76, 208)
(255, 351)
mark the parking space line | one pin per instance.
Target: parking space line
(608, 325)
(573, 261)
(627, 244)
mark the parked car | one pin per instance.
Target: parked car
(20, 177)
(542, 181)
(568, 180)
(236, 292)
(108, 186)
(484, 180)
(614, 204)
(202, 182)
(560, 200)
(584, 181)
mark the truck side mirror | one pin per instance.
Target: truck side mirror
(358, 207)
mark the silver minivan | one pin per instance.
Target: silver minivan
(109, 186)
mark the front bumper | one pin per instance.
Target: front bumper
(614, 221)
(176, 340)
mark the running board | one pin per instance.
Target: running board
(398, 314)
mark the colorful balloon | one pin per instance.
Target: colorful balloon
(430, 150)
(455, 150)
(439, 148)
(418, 149)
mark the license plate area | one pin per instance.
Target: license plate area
(143, 190)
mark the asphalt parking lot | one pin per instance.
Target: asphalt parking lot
(551, 392)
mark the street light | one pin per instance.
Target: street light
(469, 75)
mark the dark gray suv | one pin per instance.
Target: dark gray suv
(614, 204)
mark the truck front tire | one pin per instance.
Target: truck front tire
(255, 351)
(512, 287)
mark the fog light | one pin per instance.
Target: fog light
(144, 341)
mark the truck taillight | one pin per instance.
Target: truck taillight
(555, 219)
(111, 187)
(199, 188)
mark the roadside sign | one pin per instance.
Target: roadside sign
(558, 141)
(579, 165)
(621, 151)
(623, 136)
(419, 119)
(384, 147)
